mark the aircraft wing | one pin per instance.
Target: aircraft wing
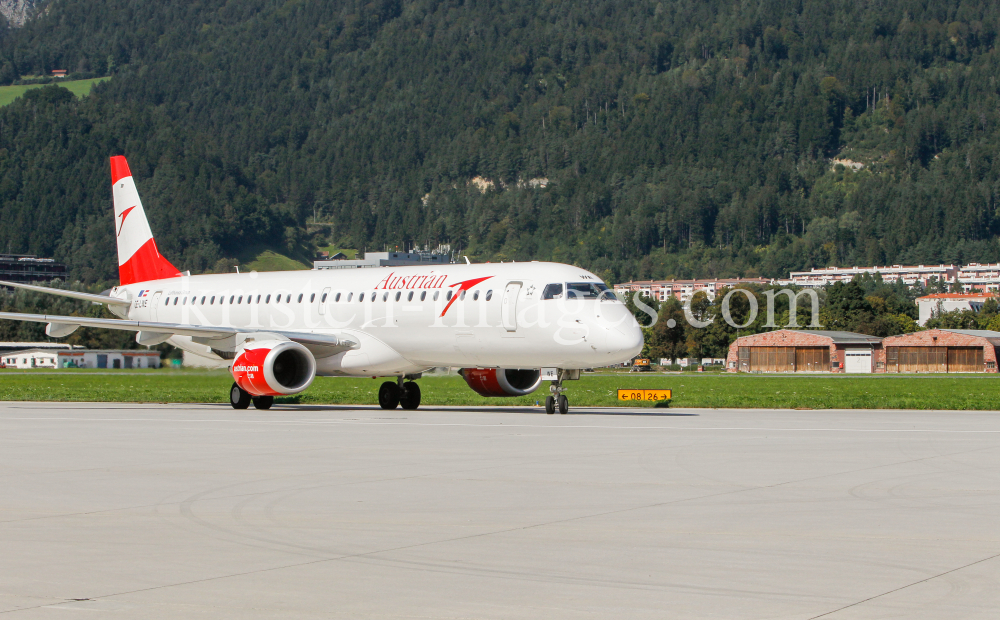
(222, 336)
(97, 299)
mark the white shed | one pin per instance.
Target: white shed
(81, 358)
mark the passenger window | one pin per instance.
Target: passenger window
(489, 294)
(312, 297)
(397, 295)
(258, 299)
(288, 298)
(475, 296)
(299, 300)
(423, 295)
(385, 295)
(267, 300)
(349, 295)
(211, 302)
(337, 298)
(203, 300)
(409, 296)
(322, 299)
(552, 291)
(361, 296)
(436, 295)
(277, 299)
(240, 300)
(231, 298)
(374, 295)
(448, 296)
(461, 296)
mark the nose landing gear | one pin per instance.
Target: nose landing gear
(557, 400)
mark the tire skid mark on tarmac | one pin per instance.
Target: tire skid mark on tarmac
(269, 542)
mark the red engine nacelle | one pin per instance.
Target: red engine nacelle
(503, 381)
(274, 368)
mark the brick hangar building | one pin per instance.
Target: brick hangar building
(934, 350)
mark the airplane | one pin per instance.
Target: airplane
(507, 326)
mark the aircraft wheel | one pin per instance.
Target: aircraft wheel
(263, 402)
(563, 404)
(410, 399)
(550, 405)
(388, 395)
(238, 397)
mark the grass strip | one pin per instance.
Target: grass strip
(971, 392)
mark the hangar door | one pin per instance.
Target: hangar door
(785, 359)
(965, 359)
(858, 360)
(934, 359)
(812, 359)
(772, 359)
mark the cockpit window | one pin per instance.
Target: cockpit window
(588, 290)
(552, 291)
(584, 290)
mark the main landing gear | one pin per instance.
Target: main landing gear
(241, 399)
(557, 400)
(406, 394)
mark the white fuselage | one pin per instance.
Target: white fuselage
(401, 319)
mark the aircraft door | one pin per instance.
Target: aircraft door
(508, 307)
(154, 304)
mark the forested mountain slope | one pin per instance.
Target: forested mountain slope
(678, 138)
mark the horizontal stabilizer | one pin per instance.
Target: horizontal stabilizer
(97, 299)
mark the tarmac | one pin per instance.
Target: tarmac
(200, 511)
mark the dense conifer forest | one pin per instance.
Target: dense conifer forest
(670, 138)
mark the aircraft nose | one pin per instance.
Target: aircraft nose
(630, 338)
(623, 336)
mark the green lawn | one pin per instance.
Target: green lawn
(332, 249)
(689, 390)
(272, 261)
(78, 87)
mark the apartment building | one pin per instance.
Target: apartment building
(911, 275)
(661, 290)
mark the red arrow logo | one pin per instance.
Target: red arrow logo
(123, 215)
(463, 286)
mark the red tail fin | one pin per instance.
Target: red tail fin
(138, 258)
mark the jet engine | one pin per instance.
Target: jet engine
(503, 381)
(274, 368)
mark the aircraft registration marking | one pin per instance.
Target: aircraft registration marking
(644, 395)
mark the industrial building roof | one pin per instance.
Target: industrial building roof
(840, 337)
(957, 296)
(981, 333)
